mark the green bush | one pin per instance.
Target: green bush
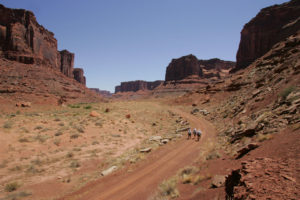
(285, 93)
(10, 187)
(88, 107)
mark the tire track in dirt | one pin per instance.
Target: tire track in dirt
(148, 174)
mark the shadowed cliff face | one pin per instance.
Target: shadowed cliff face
(23, 40)
(270, 26)
(183, 67)
(78, 75)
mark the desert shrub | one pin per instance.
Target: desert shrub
(56, 142)
(168, 188)
(213, 155)
(199, 178)
(263, 137)
(38, 128)
(74, 106)
(42, 138)
(74, 164)
(57, 119)
(8, 124)
(285, 92)
(24, 139)
(88, 107)
(10, 187)
(95, 142)
(58, 133)
(80, 129)
(74, 136)
(69, 155)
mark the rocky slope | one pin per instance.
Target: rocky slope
(250, 108)
(134, 86)
(270, 26)
(32, 83)
(23, 40)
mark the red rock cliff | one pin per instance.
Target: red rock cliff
(134, 86)
(190, 66)
(78, 75)
(23, 40)
(183, 67)
(270, 26)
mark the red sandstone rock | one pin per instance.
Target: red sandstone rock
(134, 86)
(183, 67)
(23, 40)
(67, 63)
(78, 75)
(270, 26)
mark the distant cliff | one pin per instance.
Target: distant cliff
(23, 40)
(134, 86)
(104, 93)
(270, 26)
(189, 66)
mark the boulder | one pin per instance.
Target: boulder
(146, 150)
(94, 114)
(246, 149)
(156, 138)
(109, 170)
(218, 181)
(165, 141)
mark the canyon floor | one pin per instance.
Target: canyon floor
(59, 152)
(50, 151)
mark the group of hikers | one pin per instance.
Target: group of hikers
(196, 132)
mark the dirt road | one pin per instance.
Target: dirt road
(141, 181)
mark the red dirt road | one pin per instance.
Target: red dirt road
(143, 179)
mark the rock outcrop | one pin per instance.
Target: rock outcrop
(23, 40)
(134, 86)
(217, 64)
(270, 26)
(183, 67)
(67, 63)
(189, 67)
(104, 93)
(78, 75)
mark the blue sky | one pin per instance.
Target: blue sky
(124, 40)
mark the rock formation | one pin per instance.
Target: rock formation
(190, 67)
(217, 64)
(23, 40)
(67, 63)
(271, 25)
(78, 75)
(183, 67)
(104, 93)
(134, 86)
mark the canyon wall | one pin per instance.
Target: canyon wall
(134, 86)
(23, 40)
(270, 26)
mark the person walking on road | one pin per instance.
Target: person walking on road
(195, 132)
(199, 133)
(189, 133)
